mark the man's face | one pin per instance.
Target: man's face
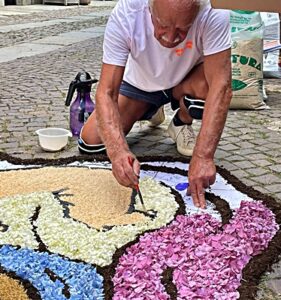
(171, 25)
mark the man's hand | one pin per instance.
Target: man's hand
(125, 168)
(201, 174)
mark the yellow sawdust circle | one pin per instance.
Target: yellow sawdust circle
(11, 289)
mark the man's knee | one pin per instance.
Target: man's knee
(198, 83)
(200, 89)
(89, 141)
(85, 148)
(195, 83)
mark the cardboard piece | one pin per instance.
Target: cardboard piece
(252, 5)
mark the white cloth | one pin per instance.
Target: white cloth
(129, 41)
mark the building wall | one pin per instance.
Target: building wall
(23, 2)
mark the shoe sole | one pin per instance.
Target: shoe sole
(185, 152)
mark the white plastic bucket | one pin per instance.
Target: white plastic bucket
(53, 139)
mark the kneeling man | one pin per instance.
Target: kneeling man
(156, 52)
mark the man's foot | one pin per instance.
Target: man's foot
(158, 118)
(184, 138)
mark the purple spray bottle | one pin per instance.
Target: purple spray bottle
(83, 105)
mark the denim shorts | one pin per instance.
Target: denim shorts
(156, 99)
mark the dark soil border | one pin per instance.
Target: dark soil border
(255, 268)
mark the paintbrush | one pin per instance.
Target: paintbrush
(141, 199)
(137, 188)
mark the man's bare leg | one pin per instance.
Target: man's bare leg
(130, 111)
(180, 130)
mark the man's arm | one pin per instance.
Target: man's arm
(202, 171)
(110, 126)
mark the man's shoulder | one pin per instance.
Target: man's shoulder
(209, 12)
(208, 15)
(132, 6)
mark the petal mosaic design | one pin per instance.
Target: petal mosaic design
(71, 238)
(207, 260)
(181, 253)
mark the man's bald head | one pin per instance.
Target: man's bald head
(180, 4)
(173, 18)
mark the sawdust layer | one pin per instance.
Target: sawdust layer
(95, 198)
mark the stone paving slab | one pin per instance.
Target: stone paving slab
(71, 19)
(93, 30)
(72, 37)
(49, 43)
(11, 10)
(24, 50)
(31, 32)
(15, 27)
(33, 91)
(31, 35)
(15, 14)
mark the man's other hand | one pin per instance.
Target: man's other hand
(201, 174)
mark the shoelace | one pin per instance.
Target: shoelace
(188, 134)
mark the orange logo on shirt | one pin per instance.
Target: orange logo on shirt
(180, 51)
(188, 45)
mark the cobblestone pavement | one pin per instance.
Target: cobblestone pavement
(33, 91)
(27, 35)
(11, 15)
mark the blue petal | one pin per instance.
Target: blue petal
(30, 265)
(182, 186)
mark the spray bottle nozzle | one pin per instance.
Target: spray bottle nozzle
(82, 82)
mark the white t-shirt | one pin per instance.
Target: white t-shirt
(129, 41)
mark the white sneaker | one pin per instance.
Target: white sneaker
(158, 118)
(184, 137)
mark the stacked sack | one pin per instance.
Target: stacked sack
(247, 60)
(271, 43)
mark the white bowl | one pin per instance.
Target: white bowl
(53, 139)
